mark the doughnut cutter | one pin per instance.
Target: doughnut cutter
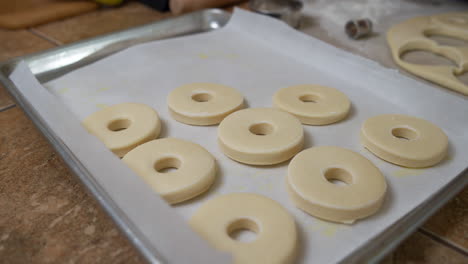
(287, 10)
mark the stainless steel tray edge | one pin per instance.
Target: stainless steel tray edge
(55, 62)
(68, 57)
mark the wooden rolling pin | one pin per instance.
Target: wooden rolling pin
(20, 14)
(184, 6)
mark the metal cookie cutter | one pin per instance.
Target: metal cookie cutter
(287, 10)
(358, 28)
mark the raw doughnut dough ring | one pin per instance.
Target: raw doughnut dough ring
(260, 136)
(313, 104)
(203, 104)
(309, 184)
(276, 240)
(404, 140)
(122, 127)
(194, 174)
(412, 35)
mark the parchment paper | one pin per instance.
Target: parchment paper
(258, 55)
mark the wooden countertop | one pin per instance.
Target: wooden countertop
(47, 217)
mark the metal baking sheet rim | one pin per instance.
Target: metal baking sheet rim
(206, 20)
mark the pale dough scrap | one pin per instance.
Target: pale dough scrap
(313, 104)
(404, 140)
(310, 188)
(260, 136)
(194, 168)
(203, 104)
(122, 127)
(276, 240)
(412, 35)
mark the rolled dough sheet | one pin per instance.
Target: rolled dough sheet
(413, 35)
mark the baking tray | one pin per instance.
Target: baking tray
(56, 62)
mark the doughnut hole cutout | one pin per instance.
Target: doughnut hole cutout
(444, 40)
(243, 230)
(405, 133)
(261, 129)
(167, 165)
(119, 124)
(202, 97)
(424, 57)
(309, 98)
(338, 176)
